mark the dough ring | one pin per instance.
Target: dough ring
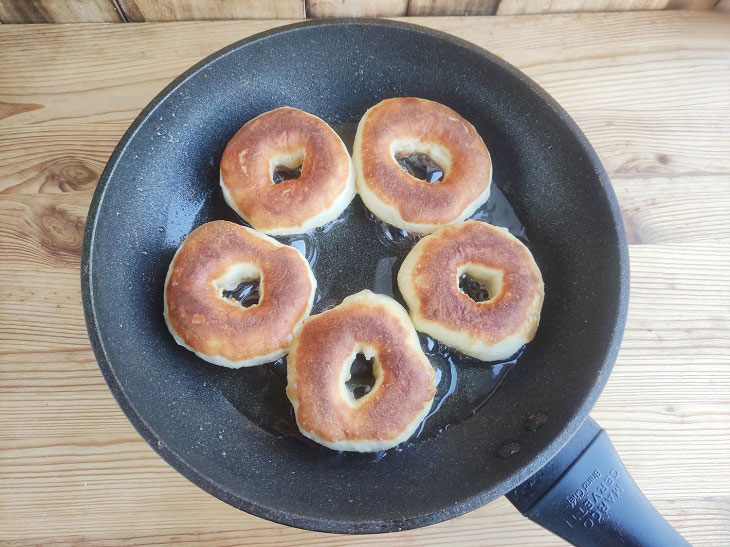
(319, 366)
(305, 147)
(404, 126)
(216, 257)
(489, 330)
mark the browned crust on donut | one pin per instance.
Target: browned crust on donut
(245, 168)
(325, 342)
(434, 280)
(428, 121)
(212, 325)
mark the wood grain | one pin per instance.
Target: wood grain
(61, 158)
(523, 7)
(73, 470)
(452, 7)
(356, 8)
(59, 11)
(115, 11)
(209, 10)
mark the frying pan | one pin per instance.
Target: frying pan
(525, 434)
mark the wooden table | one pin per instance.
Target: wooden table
(651, 91)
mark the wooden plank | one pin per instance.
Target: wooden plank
(356, 8)
(452, 7)
(79, 82)
(651, 144)
(46, 229)
(651, 103)
(59, 11)
(210, 10)
(696, 5)
(636, 91)
(61, 158)
(73, 470)
(523, 7)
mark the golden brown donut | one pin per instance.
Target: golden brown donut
(319, 366)
(292, 138)
(490, 330)
(408, 125)
(219, 256)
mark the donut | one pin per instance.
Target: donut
(403, 127)
(488, 330)
(217, 257)
(319, 365)
(320, 180)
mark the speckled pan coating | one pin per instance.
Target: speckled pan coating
(161, 183)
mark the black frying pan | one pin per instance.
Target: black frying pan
(230, 432)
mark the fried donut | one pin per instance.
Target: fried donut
(400, 127)
(292, 139)
(489, 330)
(217, 257)
(319, 366)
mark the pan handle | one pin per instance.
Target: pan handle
(586, 496)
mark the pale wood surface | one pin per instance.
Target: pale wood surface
(522, 7)
(657, 109)
(115, 11)
(59, 11)
(452, 7)
(356, 8)
(210, 10)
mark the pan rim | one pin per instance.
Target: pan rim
(315, 523)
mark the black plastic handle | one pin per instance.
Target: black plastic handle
(586, 496)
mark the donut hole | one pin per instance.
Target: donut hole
(479, 283)
(245, 293)
(240, 285)
(473, 288)
(286, 165)
(421, 166)
(429, 162)
(362, 378)
(362, 375)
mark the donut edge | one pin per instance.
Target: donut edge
(320, 219)
(369, 298)
(390, 213)
(254, 361)
(463, 341)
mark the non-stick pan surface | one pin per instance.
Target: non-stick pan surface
(229, 431)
